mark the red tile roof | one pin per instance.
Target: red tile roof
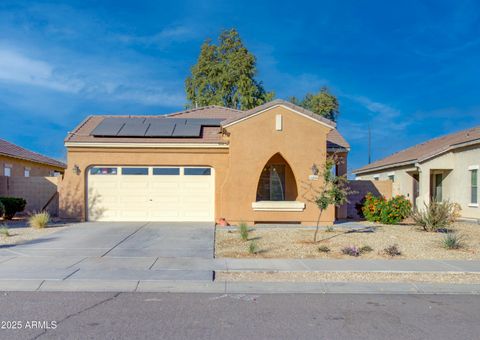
(15, 151)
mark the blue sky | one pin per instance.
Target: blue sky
(409, 69)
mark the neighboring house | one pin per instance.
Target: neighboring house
(200, 165)
(16, 161)
(444, 168)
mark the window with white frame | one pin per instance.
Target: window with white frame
(7, 170)
(391, 176)
(473, 185)
(26, 172)
(376, 177)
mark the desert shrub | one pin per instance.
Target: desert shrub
(252, 247)
(39, 220)
(392, 250)
(329, 229)
(452, 241)
(2, 209)
(379, 209)
(351, 251)
(243, 231)
(12, 206)
(4, 231)
(323, 249)
(365, 249)
(436, 216)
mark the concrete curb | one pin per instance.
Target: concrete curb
(222, 287)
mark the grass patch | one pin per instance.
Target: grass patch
(323, 249)
(4, 231)
(392, 250)
(243, 231)
(39, 220)
(452, 241)
(253, 247)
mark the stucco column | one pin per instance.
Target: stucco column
(341, 170)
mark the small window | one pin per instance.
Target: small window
(135, 171)
(197, 171)
(166, 171)
(474, 186)
(26, 172)
(391, 177)
(376, 177)
(103, 171)
(7, 171)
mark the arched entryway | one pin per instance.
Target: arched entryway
(277, 181)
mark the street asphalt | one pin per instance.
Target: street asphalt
(239, 316)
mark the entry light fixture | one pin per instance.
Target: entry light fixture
(76, 169)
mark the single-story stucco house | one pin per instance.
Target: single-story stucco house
(444, 168)
(201, 165)
(16, 161)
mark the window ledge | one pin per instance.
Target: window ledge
(473, 205)
(278, 206)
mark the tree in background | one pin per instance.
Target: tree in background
(322, 103)
(225, 75)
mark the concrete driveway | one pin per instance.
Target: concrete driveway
(114, 251)
(126, 239)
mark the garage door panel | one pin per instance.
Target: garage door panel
(151, 197)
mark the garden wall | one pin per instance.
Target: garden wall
(37, 191)
(363, 187)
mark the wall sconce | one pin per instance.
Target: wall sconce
(76, 169)
(315, 171)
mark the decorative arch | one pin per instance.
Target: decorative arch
(277, 181)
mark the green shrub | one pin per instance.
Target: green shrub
(244, 231)
(436, 216)
(452, 241)
(392, 251)
(323, 249)
(4, 231)
(392, 211)
(12, 206)
(252, 247)
(39, 220)
(2, 209)
(329, 229)
(365, 249)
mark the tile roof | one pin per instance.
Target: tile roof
(209, 135)
(15, 151)
(277, 102)
(424, 151)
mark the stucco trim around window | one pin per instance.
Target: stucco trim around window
(278, 206)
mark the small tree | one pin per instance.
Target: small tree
(333, 189)
(322, 103)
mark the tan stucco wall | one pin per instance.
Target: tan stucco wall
(402, 184)
(456, 181)
(253, 142)
(19, 165)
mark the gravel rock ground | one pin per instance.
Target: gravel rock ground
(467, 278)
(297, 243)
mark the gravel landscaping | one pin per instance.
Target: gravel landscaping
(412, 242)
(466, 278)
(20, 233)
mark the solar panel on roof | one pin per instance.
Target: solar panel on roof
(187, 130)
(109, 127)
(134, 127)
(160, 129)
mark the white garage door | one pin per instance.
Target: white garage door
(151, 193)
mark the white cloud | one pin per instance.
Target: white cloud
(19, 68)
(161, 39)
(106, 82)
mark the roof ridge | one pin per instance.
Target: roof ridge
(432, 141)
(53, 160)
